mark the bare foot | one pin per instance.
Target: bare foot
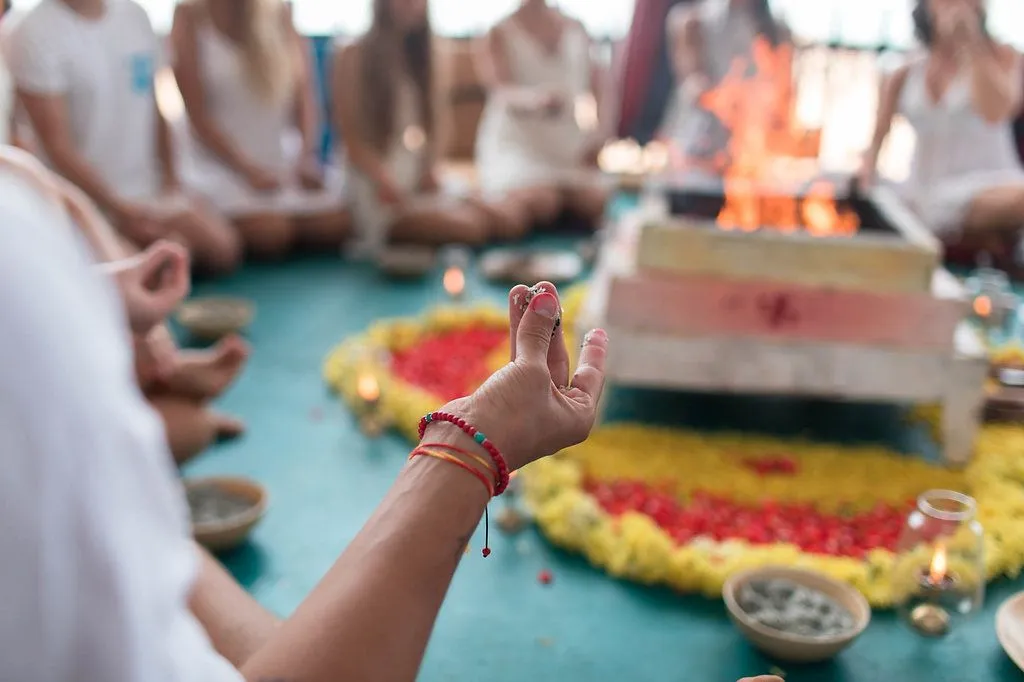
(227, 427)
(208, 373)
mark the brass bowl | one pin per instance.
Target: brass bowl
(231, 530)
(210, 319)
(786, 646)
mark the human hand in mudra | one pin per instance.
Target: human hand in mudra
(153, 283)
(531, 407)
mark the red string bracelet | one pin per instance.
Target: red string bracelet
(452, 459)
(481, 439)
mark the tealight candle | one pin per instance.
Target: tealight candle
(368, 391)
(456, 260)
(939, 535)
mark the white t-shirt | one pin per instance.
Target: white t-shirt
(104, 69)
(95, 557)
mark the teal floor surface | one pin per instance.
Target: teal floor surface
(498, 623)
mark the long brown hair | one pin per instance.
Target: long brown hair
(385, 52)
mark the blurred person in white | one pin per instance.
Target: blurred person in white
(388, 120)
(532, 146)
(960, 97)
(84, 72)
(707, 39)
(254, 129)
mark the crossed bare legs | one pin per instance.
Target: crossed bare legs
(181, 392)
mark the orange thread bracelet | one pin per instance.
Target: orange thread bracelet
(452, 459)
(457, 462)
(486, 464)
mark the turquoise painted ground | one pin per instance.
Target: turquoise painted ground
(499, 624)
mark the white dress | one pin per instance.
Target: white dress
(406, 160)
(264, 130)
(515, 151)
(958, 154)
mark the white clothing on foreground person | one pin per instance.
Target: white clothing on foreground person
(95, 550)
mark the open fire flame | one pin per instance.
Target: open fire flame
(754, 102)
(937, 569)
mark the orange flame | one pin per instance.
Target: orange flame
(754, 102)
(937, 570)
(983, 306)
(454, 281)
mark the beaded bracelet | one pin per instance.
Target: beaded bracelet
(481, 440)
(422, 451)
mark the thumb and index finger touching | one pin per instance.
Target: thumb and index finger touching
(536, 335)
(164, 272)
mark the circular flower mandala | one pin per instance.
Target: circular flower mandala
(687, 509)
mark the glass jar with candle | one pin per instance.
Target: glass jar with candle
(940, 570)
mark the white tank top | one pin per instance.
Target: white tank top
(952, 139)
(252, 121)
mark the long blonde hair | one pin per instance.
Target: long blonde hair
(270, 59)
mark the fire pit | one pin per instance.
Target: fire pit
(745, 271)
(867, 316)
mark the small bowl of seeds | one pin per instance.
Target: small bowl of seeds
(224, 510)
(795, 615)
(213, 318)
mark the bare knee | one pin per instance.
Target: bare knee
(324, 230)
(189, 425)
(543, 203)
(213, 242)
(266, 237)
(506, 219)
(462, 225)
(587, 202)
(467, 226)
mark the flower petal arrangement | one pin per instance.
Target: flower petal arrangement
(688, 509)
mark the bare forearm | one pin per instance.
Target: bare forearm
(308, 120)
(165, 150)
(371, 616)
(70, 164)
(236, 624)
(992, 90)
(217, 143)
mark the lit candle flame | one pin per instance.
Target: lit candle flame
(937, 570)
(454, 281)
(983, 306)
(368, 388)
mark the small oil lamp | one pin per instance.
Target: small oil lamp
(454, 282)
(992, 299)
(930, 619)
(940, 534)
(454, 279)
(368, 391)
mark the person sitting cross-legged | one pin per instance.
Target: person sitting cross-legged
(84, 71)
